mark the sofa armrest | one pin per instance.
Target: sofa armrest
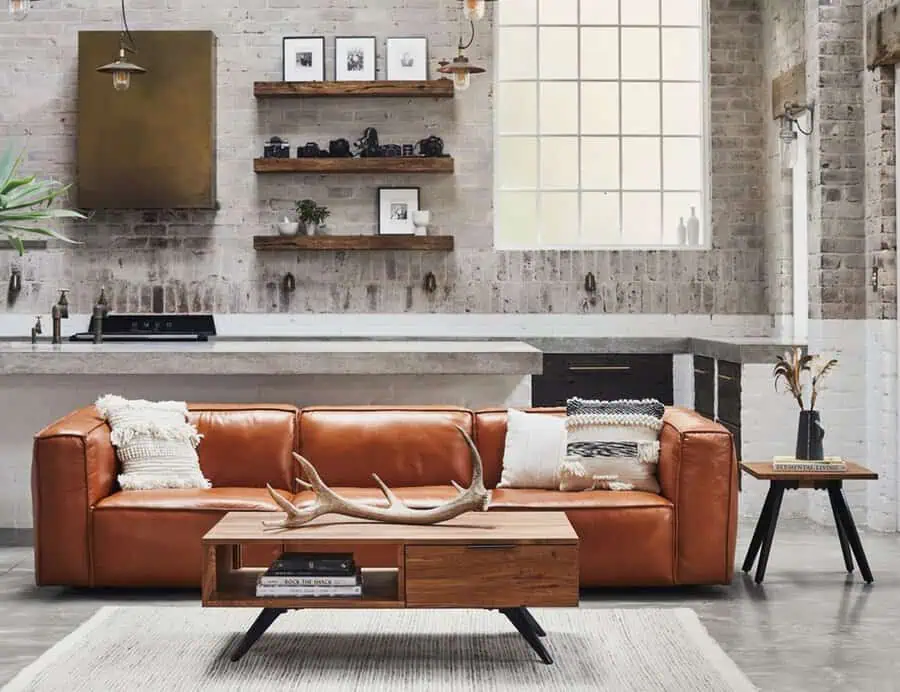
(73, 467)
(698, 473)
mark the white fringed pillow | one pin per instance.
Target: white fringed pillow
(535, 444)
(612, 445)
(154, 442)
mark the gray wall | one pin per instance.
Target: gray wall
(205, 260)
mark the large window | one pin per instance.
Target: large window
(600, 123)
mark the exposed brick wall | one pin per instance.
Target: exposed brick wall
(205, 260)
(837, 235)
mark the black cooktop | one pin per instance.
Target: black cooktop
(152, 327)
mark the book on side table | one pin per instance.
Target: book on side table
(794, 465)
(309, 575)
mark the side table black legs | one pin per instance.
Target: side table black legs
(263, 621)
(761, 543)
(528, 627)
(839, 525)
(850, 532)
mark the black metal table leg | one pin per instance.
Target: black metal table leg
(778, 493)
(263, 621)
(849, 526)
(522, 621)
(842, 534)
(761, 526)
(535, 625)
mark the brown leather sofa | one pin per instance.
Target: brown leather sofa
(90, 533)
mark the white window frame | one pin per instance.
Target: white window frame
(706, 136)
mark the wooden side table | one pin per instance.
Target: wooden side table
(779, 481)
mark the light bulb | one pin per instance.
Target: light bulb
(462, 80)
(787, 137)
(474, 9)
(18, 9)
(121, 80)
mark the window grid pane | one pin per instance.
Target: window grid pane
(654, 121)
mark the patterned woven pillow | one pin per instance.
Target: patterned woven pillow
(154, 443)
(611, 445)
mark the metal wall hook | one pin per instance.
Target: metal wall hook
(288, 283)
(430, 283)
(15, 280)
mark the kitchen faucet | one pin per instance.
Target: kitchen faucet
(59, 312)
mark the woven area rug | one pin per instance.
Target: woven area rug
(187, 648)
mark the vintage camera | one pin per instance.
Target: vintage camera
(431, 146)
(391, 150)
(339, 148)
(367, 145)
(310, 150)
(276, 148)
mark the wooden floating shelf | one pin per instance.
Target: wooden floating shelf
(352, 242)
(387, 164)
(436, 88)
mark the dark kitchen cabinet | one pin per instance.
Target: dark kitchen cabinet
(603, 376)
(705, 386)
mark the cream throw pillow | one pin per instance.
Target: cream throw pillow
(155, 444)
(535, 445)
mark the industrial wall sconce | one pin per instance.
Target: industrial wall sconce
(120, 69)
(474, 9)
(787, 134)
(461, 69)
(19, 9)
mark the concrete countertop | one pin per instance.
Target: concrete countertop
(287, 357)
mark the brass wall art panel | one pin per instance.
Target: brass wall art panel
(154, 145)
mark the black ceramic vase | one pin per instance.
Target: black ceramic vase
(809, 436)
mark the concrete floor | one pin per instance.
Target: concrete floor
(809, 627)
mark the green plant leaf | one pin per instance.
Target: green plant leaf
(17, 243)
(37, 230)
(9, 162)
(13, 184)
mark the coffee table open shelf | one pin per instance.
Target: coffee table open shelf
(508, 561)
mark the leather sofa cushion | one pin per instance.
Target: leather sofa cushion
(404, 446)
(422, 497)
(247, 446)
(193, 499)
(515, 498)
(490, 438)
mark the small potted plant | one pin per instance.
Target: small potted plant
(792, 368)
(311, 216)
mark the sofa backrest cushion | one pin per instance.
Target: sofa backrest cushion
(247, 445)
(490, 438)
(404, 446)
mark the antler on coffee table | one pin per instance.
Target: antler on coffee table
(474, 498)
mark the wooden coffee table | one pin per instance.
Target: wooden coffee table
(508, 561)
(779, 481)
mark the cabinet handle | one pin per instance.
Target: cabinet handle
(491, 546)
(727, 378)
(700, 372)
(599, 368)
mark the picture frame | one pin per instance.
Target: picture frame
(303, 59)
(354, 58)
(407, 58)
(395, 210)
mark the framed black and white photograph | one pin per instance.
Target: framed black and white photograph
(303, 59)
(407, 58)
(395, 210)
(354, 58)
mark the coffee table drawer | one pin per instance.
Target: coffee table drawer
(477, 576)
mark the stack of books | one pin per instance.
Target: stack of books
(308, 575)
(792, 464)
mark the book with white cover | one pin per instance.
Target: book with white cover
(285, 580)
(307, 591)
(792, 464)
